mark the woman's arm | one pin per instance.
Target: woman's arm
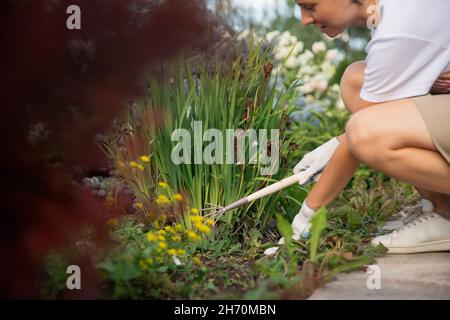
(351, 83)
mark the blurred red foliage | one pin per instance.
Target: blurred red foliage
(47, 72)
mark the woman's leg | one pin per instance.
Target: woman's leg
(393, 138)
(343, 164)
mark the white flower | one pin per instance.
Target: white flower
(306, 88)
(328, 68)
(272, 35)
(307, 69)
(332, 55)
(335, 88)
(282, 53)
(319, 46)
(321, 76)
(305, 57)
(287, 40)
(276, 70)
(298, 48)
(319, 85)
(292, 62)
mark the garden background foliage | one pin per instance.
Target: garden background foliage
(165, 246)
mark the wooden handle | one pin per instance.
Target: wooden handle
(277, 186)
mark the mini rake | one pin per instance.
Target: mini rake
(215, 211)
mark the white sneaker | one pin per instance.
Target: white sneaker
(427, 233)
(407, 214)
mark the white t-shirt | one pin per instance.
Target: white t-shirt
(409, 49)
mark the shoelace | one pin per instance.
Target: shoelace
(425, 216)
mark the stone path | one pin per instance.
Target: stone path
(417, 276)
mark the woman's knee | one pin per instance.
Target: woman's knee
(364, 140)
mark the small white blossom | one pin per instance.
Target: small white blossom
(292, 62)
(307, 69)
(298, 48)
(332, 55)
(282, 53)
(271, 36)
(305, 57)
(319, 46)
(306, 88)
(287, 40)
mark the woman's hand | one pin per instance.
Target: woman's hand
(314, 162)
(441, 85)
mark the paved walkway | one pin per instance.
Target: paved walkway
(417, 276)
(414, 276)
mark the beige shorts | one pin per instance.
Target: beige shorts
(435, 111)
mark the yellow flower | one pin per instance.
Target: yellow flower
(196, 219)
(194, 210)
(152, 237)
(176, 238)
(138, 205)
(161, 200)
(210, 222)
(192, 235)
(172, 252)
(202, 228)
(161, 237)
(163, 184)
(163, 232)
(178, 227)
(197, 261)
(149, 261)
(140, 167)
(181, 252)
(169, 229)
(133, 164)
(145, 158)
(177, 197)
(162, 245)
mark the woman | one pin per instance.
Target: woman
(396, 126)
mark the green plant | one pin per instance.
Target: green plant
(242, 97)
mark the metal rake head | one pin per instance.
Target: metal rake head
(212, 211)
